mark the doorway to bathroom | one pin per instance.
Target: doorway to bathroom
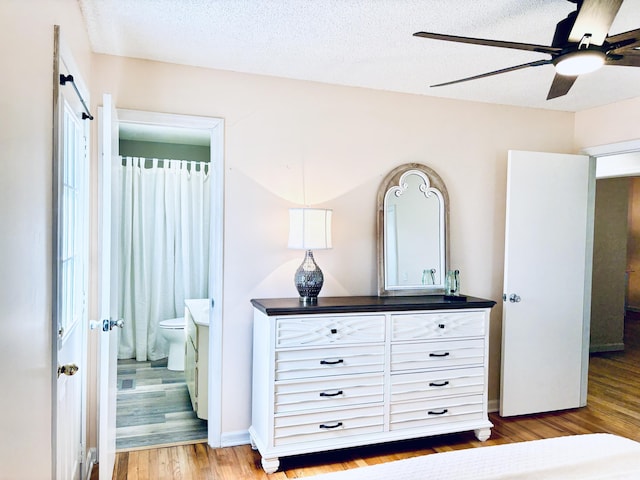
(166, 244)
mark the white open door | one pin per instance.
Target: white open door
(70, 299)
(547, 282)
(70, 283)
(108, 343)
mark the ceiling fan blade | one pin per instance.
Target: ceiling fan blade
(630, 39)
(490, 43)
(496, 72)
(594, 17)
(560, 86)
(630, 58)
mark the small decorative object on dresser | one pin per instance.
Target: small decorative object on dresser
(350, 371)
(452, 287)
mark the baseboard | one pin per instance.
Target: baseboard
(607, 347)
(493, 406)
(233, 439)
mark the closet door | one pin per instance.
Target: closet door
(547, 282)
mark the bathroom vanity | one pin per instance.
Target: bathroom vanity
(196, 316)
(351, 371)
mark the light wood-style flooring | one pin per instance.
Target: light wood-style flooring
(154, 407)
(613, 407)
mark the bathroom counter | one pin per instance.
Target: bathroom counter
(199, 309)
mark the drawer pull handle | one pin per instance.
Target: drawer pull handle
(439, 384)
(334, 331)
(334, 394)
(441, 325)
(441, 412)
(328, 427)
(445, 354)
(332, 362)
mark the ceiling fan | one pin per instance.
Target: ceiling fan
(580, 45)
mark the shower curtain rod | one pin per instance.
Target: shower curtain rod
(69, 78)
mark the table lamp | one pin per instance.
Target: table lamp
(309, 229)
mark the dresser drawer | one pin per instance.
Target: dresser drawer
(426, 326)
(328, 392)
(423, 414)
(456, 353)
(433, 384)
(327, 425)
(329, 330)
(323, 362)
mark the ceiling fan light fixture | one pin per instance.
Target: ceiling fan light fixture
(579, 62)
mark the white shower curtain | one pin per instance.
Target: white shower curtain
(163, 244)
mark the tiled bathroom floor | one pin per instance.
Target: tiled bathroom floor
(153, 407)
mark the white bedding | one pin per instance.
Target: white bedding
(584, 457)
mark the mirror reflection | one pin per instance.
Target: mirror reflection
(411, 232)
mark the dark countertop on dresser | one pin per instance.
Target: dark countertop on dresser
(293, 306)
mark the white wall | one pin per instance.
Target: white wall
(618, 122)
(26, 50)
(339, 142)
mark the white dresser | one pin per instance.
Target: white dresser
(351, 371)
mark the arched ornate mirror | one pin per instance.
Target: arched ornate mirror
(413, 236)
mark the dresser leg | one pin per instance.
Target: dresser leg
(253, 443)
(482, 434)
(270, 465)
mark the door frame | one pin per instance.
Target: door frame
(106, 360)
(215, 128)
(609, 149)
(621, 169)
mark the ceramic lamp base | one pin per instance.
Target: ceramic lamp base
(309, 279)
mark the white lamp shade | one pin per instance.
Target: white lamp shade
(309, 228)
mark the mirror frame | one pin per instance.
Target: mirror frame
(392, 180)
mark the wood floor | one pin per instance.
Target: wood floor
(613, 407)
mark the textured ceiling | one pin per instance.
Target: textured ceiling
(365, 43)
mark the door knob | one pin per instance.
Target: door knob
(116, 323)
(68, 369)
(513, 298)
(106, 325)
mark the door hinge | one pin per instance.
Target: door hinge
(81, 456)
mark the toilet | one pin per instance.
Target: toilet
(173, 332)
